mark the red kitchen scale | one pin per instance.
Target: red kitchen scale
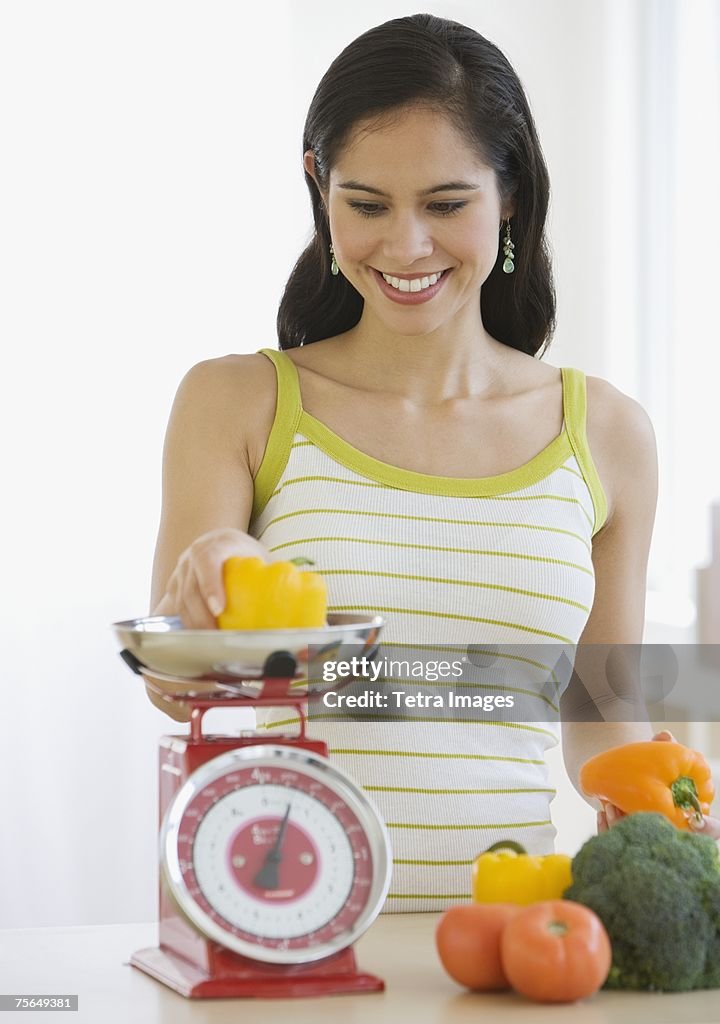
(273, 862)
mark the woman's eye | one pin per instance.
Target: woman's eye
(373, 209)
(449, 208)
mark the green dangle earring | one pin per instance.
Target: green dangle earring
(508, 265)
(334, 268)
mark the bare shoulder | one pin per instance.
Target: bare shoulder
(225, 376)
(621, 439)
(617, 421)
(236, 395)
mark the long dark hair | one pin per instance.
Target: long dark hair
(448, 67)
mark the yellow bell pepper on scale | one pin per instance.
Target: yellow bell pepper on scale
(272, 595)
(505, 873)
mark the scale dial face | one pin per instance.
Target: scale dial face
(274, 853)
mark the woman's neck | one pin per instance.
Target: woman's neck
(426, 369)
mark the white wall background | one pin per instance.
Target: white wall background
(152, 204)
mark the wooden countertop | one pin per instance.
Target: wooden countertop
(93, 962)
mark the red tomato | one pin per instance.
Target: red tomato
(468, 943)
(556, 951)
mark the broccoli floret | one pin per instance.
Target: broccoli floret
(712, 962)
(657, 891)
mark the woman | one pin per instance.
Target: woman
(408, 439)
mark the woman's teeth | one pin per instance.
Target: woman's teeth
(417, 285)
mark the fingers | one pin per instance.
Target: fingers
(195, 613)
(195, 590)
(610, 815)
(614, 814)
(707, 826)
(209, 553)
(178, 710)
(665, 735)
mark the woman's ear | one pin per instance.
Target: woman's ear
(309, 164)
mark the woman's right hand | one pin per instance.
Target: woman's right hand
(193, 585)
(195, 590)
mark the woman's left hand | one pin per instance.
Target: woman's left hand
(610, 814)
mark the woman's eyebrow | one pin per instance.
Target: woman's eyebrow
(448, 186)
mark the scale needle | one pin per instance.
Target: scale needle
(267, 876)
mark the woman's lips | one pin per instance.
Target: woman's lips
(410, 298)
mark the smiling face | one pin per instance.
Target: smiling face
(397, 226)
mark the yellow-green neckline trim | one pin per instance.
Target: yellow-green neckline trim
(291, 419)
(541, 465)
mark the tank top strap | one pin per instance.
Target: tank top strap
(288, 410)
(575, 415)
(288, 382)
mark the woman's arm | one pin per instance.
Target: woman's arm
(595, 717)
(207, 490)
(622, 441)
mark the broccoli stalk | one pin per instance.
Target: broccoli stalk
(657, 891)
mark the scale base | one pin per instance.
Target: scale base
(251, 979)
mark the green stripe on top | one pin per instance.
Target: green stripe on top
(345, 482)
(432, 863)
(542, 465)
(387, 718)
(477, 650)
(466, 828)
(324, 479)
(457, 583)
(563, 469)
(429, 896)
(441, 755)
(575, 410)
(424, 519)
(474, 792)
(382, 609)
(282, 433)
(486, 552)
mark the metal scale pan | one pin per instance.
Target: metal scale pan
(232, 659)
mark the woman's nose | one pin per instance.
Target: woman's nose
(405, 241)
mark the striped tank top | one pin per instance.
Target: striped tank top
(489, 574)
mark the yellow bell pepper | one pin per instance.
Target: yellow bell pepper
(505, 873)
(271, 595)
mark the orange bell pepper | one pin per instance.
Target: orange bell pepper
(650, 776)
